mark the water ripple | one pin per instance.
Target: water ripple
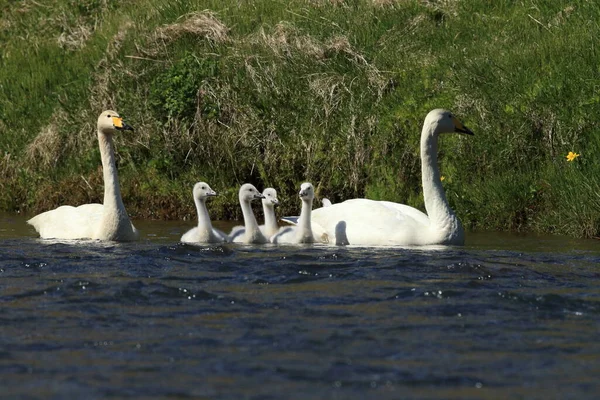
(153, 319)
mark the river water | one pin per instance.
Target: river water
(505, 316)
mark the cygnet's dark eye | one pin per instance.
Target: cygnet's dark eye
(203, 187)
(450, 116)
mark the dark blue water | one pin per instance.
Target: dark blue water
(503, 317)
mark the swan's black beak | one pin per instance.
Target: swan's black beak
(121, 125)
(460, 128)
(126, 127)
(259, 196)
(211, 193)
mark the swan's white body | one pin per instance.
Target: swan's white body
(269, 202)
(250, 233)
(301, 233)
(108, 221)
(204, 232)
(370, 222)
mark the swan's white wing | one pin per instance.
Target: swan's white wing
(194, 236)
(368, 222)
(409, 211)
(68, 222)
(222, 236)
(286, 234)
(266, 231)
(292, 220)
(190, 236)
(289, 235)
(237, 234)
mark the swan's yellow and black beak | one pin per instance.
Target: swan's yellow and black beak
(460, 128)
(119, 124)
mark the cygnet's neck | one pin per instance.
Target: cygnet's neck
(440, 214)
(204, 224)
(271, 225)
(252, 231)
(112, 190)
(304, 232)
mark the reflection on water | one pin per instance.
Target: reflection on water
(505, 316)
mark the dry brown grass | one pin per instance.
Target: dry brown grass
(447, 6)
(74, 34)
(322, 3)
(6, 166)
(562, 17)
(286, 39)
(331, 90)
(74, 38)
(204, 24)
(47, 147)
(101, 94)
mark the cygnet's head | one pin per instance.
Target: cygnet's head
(307, 192)
(443, 121)
(248, 193)
(270, 198)
(109, 122)
(202, 191)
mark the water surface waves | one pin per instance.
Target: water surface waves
(505, 316)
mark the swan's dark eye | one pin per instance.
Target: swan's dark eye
(203, 187)
(108, 116)
(449, 115)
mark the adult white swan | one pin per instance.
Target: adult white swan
(301, 233)
(269, 202)
(204, 232)
(250, 233)
(108, 221)
(369, 222)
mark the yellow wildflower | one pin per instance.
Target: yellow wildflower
(571, 156)
(442, 178)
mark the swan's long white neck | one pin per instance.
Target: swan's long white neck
(112, 190)
(440, 214)
(204, 224)
(304, 232)
(270, 220)
(252, 233)
(114, 224)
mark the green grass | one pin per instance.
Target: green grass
(280, 92)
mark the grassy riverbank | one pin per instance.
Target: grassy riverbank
(280, 92)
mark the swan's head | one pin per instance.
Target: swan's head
(202, 191)
(109, 122)
(270, 198)
(443, 121)
(307, 191)
(248, 193)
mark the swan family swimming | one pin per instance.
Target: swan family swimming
(361, 222)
